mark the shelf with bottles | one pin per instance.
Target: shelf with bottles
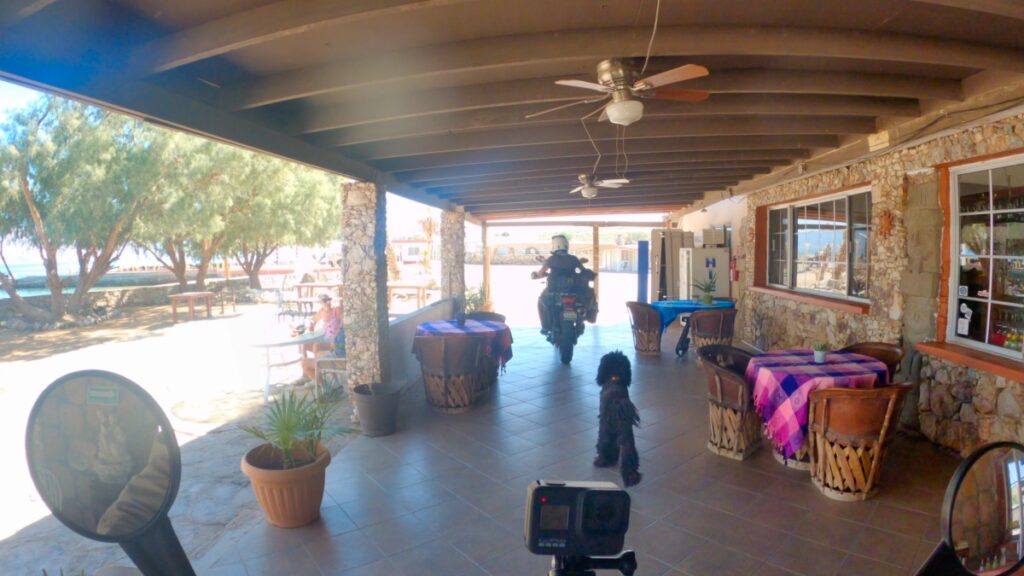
(1007, 328)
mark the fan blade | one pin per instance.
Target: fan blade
(616, 181)
(596, 110)
(583, 84)
(687, 72)
(576, 189)
(681, 95)
(607, 185)
(556, 108)
(613, 183)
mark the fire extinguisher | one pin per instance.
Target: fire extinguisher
(734, 272)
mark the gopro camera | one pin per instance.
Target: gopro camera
(571, 519)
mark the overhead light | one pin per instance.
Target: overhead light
(589, 191)
(624, 112)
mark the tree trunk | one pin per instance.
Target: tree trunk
(254, 279)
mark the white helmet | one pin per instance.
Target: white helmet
(559, 242)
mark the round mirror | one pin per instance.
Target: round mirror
(982, 519)
(102, 455)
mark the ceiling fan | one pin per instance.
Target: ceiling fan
(588, 185)
(618, 81)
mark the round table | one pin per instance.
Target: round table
(669, 310)
(496, 354)
(783, 381)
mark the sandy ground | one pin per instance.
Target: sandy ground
(206, 375)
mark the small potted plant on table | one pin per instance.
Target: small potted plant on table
(707, 288)
(288, 470)
(820, 349)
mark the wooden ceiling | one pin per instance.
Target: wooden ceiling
(429, 97)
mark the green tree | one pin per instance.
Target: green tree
(284, 204)
(73, 177)
(189, 221)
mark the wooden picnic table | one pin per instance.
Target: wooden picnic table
(190, 298)
(309, 289)
(421, 292)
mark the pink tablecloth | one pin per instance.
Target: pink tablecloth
(784, 379)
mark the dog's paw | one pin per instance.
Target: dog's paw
(602, 462)
(631, 478)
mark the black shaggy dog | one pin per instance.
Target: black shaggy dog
(618, 416)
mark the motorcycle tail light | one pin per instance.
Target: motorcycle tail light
(568, 299)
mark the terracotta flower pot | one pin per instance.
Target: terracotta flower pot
(290, 498)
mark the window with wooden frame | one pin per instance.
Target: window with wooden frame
(821, 246)
(986, 279)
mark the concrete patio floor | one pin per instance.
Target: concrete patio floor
(445, 495)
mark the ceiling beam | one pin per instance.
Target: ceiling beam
(666, 128)
(587, 224)
(648, 191)
(515, 51)
(264, 24)
(537, 94)
(504, 170)
(726, 177)
(14, 11)
(494, 218)
(1007, 8)
(569, 173)
(571, 201)
(580, 149)
(719, 104)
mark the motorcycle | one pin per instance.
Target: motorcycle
(568, 307)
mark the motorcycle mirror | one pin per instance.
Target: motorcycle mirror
(981, 515)
(104, 458)
(584, 260)
(541, 259)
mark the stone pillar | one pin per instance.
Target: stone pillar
(453, 255)
(364, 271)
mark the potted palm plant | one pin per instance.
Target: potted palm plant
(707, 288)
(288, 470)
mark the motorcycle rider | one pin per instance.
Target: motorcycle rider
(560, 269)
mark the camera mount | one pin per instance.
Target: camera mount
(585, 565)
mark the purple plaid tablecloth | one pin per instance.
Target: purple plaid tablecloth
(499, 343)
(784, 379)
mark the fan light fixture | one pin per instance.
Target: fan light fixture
(589, 191)
(624, 112)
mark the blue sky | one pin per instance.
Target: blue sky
(14, 96)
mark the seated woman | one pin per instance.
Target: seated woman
(331, 318)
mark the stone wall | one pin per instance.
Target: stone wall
(903, 289)
(363, 229)
(453, 255)
(963, 408)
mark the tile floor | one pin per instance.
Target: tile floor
(445, 495)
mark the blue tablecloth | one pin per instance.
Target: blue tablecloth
(671, 309)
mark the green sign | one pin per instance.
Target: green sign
(102, 394)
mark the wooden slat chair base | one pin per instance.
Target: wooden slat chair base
(646, 324)
(331, 373)
(710, 327)
(799, 461)
(732, 434)
(451, 370)
(848, 431)
(734, 428)
(700, 342)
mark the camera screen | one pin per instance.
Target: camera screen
(554, 517)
